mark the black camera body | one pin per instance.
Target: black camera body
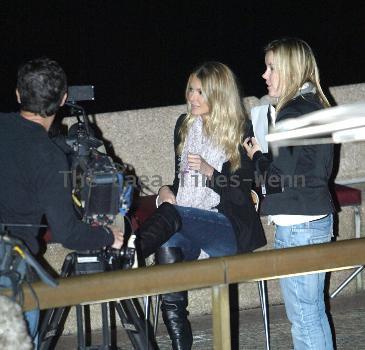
(99, 189)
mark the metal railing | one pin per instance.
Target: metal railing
(216, 273)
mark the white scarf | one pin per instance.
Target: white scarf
(192, 190)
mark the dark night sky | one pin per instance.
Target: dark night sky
(138, 53)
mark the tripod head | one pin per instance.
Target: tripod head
(107, 259)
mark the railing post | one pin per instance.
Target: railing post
(359, 277)
(221, 317)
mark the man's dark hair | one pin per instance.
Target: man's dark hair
(41, 85)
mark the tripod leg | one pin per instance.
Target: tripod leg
(130, 313)
(105, 320)
(134, 325)
(157, 308)
(53, 321)
(80, 327)
(52, 327)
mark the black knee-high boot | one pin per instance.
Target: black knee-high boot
(173, 305)
(157, 229)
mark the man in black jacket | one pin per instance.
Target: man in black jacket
(32, 169)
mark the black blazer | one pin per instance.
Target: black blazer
(235, 195)
(301, 173)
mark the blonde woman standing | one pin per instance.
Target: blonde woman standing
(211, 188)
(300, 203)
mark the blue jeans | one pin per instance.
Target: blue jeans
(304, 295)
(206, 230)
(31, 317)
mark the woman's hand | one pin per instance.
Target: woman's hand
(196, 162)
(251, 146)
(166, 195)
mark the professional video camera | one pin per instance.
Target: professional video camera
(100, 191)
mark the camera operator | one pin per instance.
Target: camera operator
(32, 167)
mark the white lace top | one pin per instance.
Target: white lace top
(192, 190)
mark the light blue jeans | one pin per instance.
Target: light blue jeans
(202, 229)
(304, 295)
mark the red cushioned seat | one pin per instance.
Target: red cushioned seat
(144, 208)
(347, 195)
(47, 236)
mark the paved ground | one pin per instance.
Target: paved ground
(348, 317)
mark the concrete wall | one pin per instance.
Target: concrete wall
(352, 156)
(143, 139)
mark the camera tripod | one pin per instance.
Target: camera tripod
(129, 311)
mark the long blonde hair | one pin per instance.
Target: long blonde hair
(295, 63)
(226, 119)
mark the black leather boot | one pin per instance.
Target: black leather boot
(173, 305)
(157, 229)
